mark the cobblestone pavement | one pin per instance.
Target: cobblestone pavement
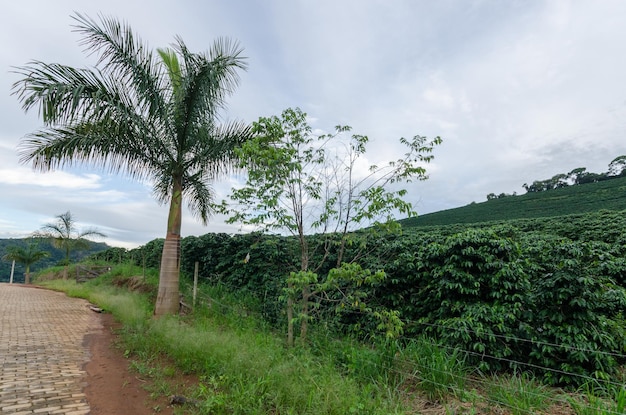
(42, 351)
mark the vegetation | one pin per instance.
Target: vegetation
(578, 176)
(25, 256)
(543, 296)
(242, 366)
(511, 300)
(571, 200)
(56, 256)
(152, 119)
(303, 183)
(64, 235)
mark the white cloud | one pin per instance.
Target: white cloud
(57, 179)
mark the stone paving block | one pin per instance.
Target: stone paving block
(48, 409)
(42, 351)
(13, 408)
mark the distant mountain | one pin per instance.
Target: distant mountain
(56, 255)
(582, 198)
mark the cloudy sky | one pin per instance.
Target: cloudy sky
(518, 90)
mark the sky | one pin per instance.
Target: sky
(518, 91)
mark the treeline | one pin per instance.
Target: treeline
(541, 295)
(580, 175)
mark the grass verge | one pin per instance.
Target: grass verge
(242, 367)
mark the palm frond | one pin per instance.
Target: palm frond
(91, 232)
(209, 79)
(215, 150)
(63, 94)
(169, 58)
(125, 58)
(128, 148)
(227, 56)
(162, 186)
(199, 194)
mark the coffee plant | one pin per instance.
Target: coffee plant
(540, 295)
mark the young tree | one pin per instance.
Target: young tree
(65, 235)
(153, 119)
(26, 255)
(302, 183)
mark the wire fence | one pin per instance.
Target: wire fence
(601, 396)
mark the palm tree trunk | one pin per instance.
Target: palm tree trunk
(168, 301)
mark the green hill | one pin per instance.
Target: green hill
(591, 197)
(56, 255)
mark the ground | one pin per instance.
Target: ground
(112, 388)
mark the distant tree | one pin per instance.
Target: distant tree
(492, 196)
(536, 186)
(503, 195)
(555, 182)
(64, 235)
(617, 167)
(575, 176)
(593, 178)
(25, 255)
(111, 255)
(559, 181)
(579, 175)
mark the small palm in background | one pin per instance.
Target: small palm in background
(26, 256)
(65, 235)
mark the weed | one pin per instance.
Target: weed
(595, 402)
(437, 371)
(519, 394)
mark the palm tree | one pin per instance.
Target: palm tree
(25, 255)
(64, 235)
(152, 118)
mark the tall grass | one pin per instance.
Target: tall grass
(520, 393)
(129, 308)
(244, 367)
(598, 402)
(437, 371)
(252, 372)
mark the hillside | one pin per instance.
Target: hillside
(591, 197)
(56, 255)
